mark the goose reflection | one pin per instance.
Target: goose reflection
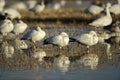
(116, 27)
(103, 37)
(20, 44)
(39, 54)
(89, 60)
(7, 49)
(114, 40)
(62, 62)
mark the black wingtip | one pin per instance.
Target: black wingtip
(72, 39)
(23, 38)
(45, 42)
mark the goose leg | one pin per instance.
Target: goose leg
(68, 50)
(88, 49)
(78, 48)
(35, 46)
(4, 38)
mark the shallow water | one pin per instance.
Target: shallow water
(104, 73)
(107, 67)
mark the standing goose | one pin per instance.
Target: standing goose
(2, 4)
(6, 27)
(94, 9)
(13, 13)
(39, 7)
(88, 39)
(104, 20)
(34, 35)
(59, 40)
(31, 4)
(115, 9)
(19, 6)
(19, 27)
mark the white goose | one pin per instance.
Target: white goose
(59, 4)
(6, 27)
(104, 20)
(88, 39)
(2, 4)
(115, 9)
(13, 13)
(39, 7)
(19, 27)
(31, 3)
(94, 9)
(19, 6)
(34, 35)
(59, 40)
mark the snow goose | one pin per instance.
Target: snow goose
(19, 27)
(94, 9)
(78, 2)
(39, 7)
(56, 6)
(62, 2)
(115, 9)
(88, 39)
(19, 6)
(6, 27)
(31, 4)
(2, 4)
(59, 40)
(59, 4)
(104, 20)
(34, 35)
(13, 13)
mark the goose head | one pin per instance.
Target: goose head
(38, 28)
(42, 3)
(64, 34)
(93, 33)
(108, 5)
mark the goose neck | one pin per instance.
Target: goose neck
(107, 11)
(42, 3)
(118, 1)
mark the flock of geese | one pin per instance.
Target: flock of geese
(61, 40)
